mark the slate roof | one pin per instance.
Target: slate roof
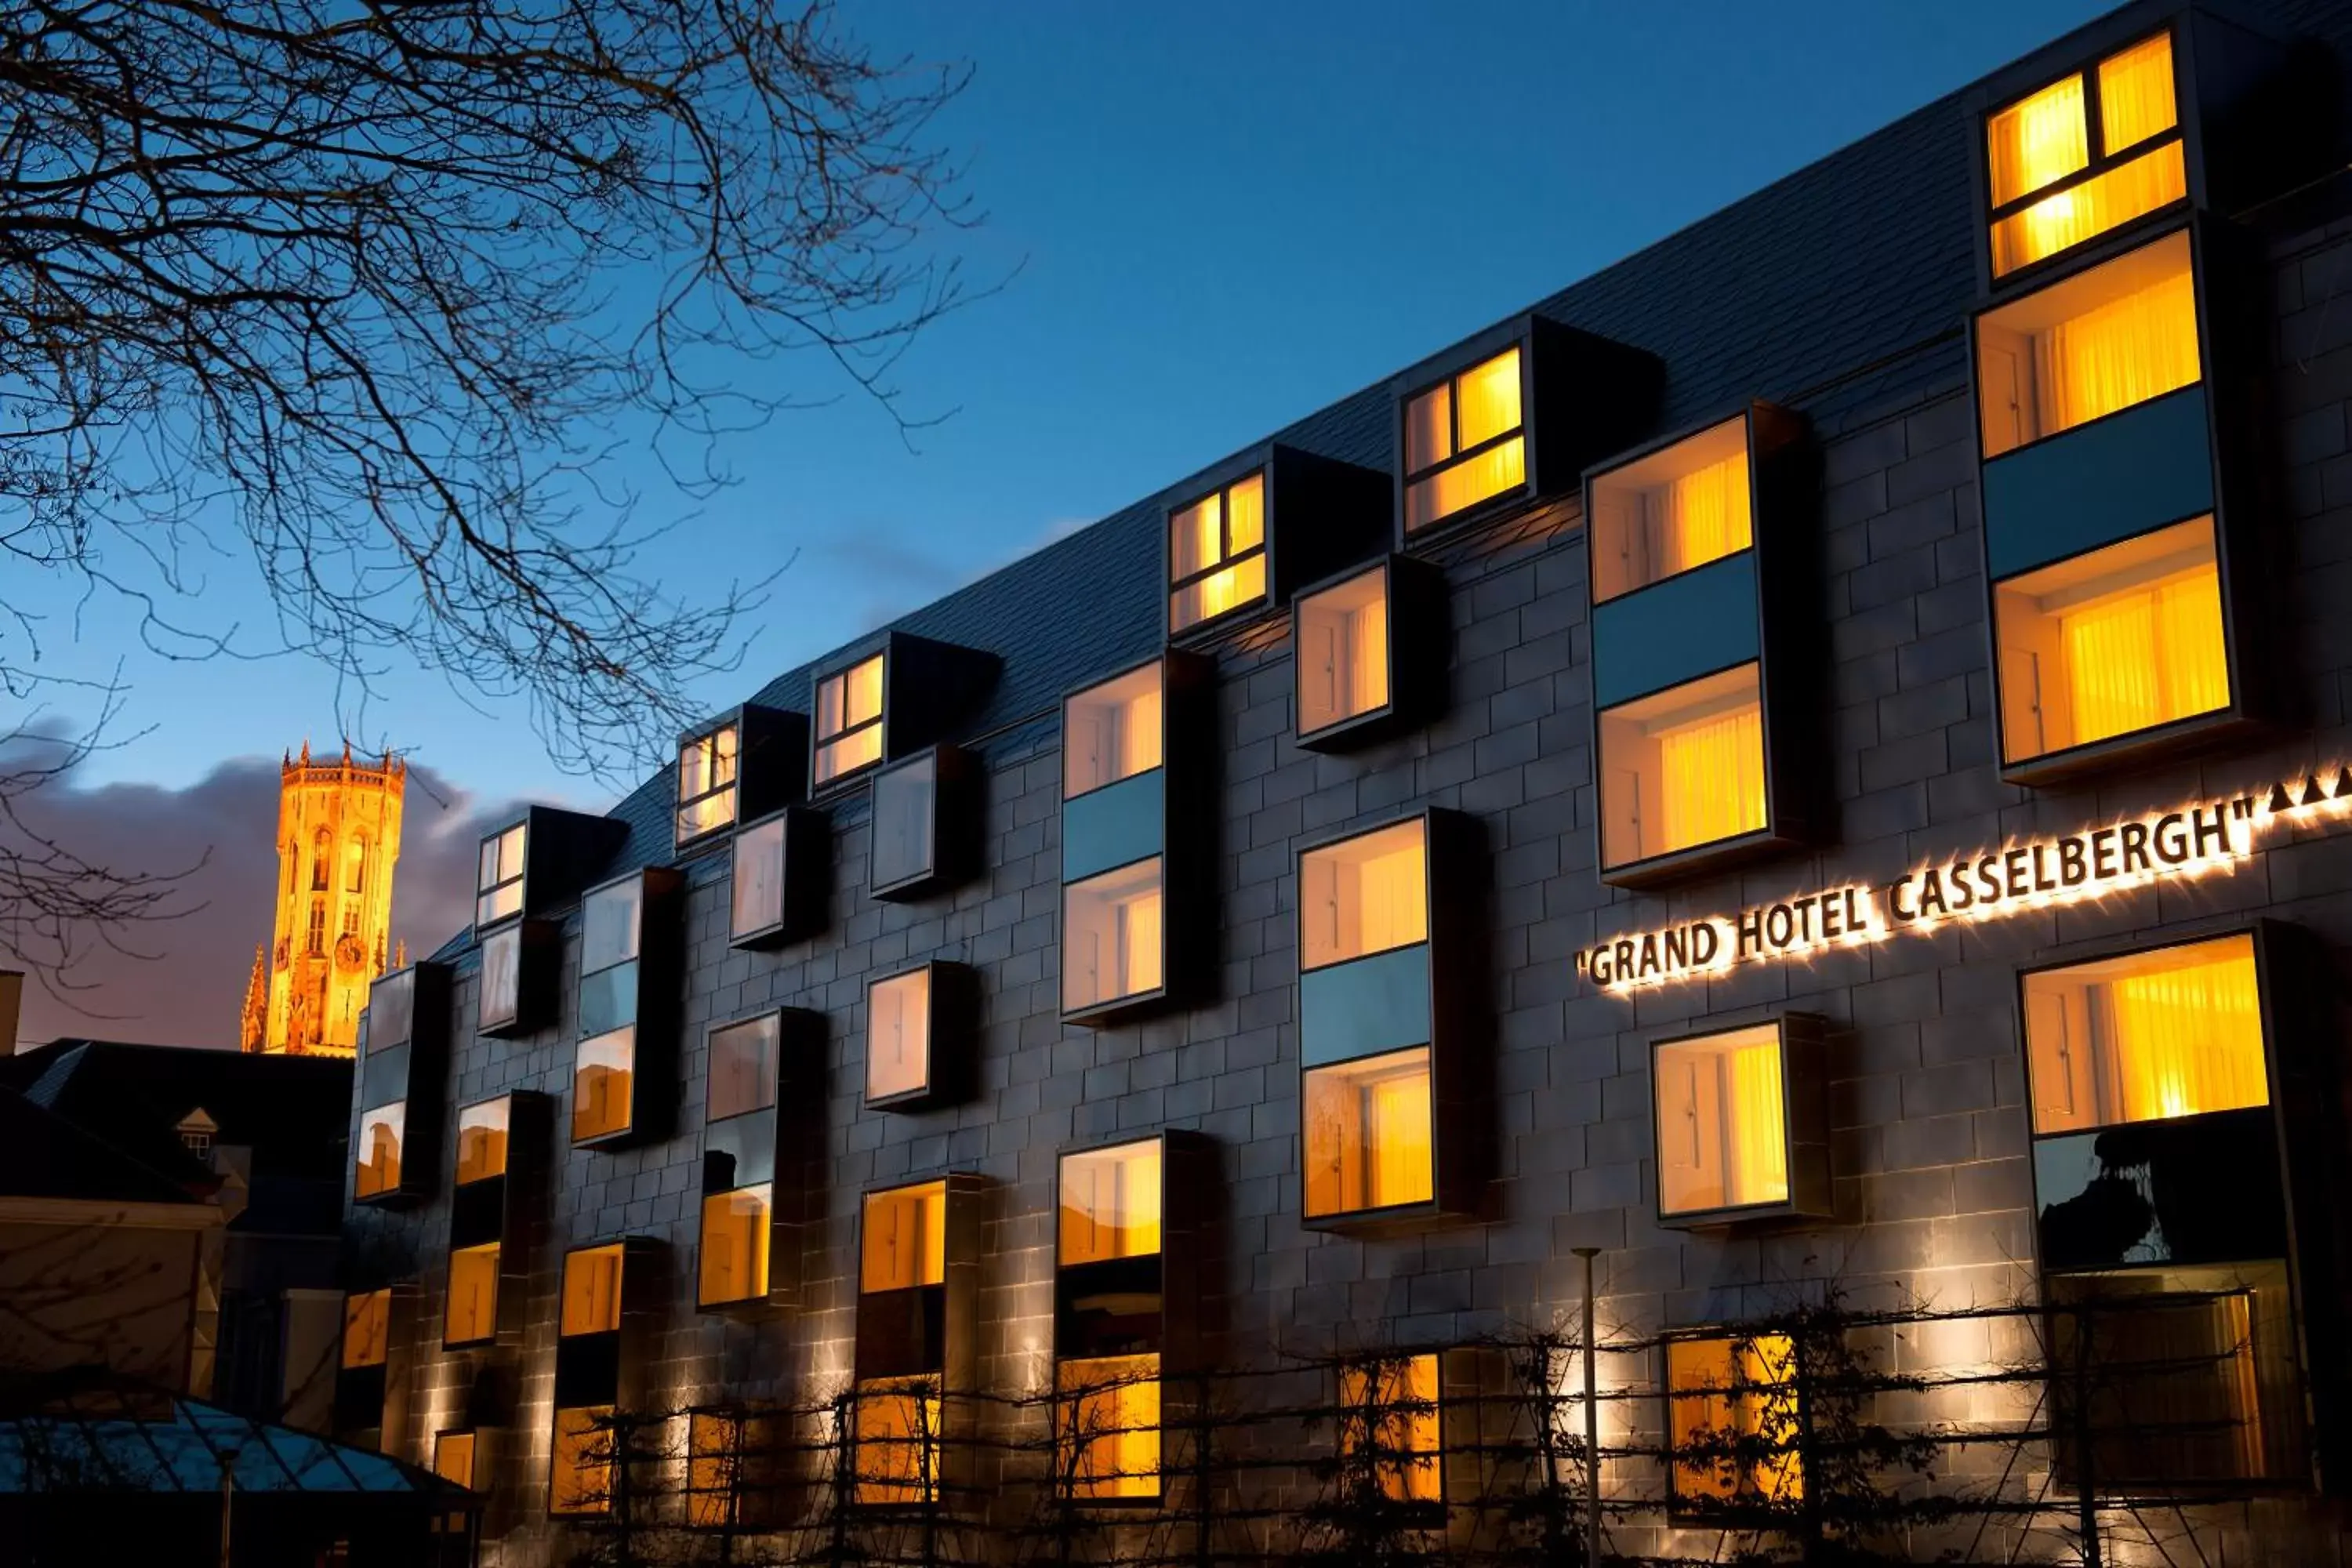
(1841, 291)
(42, 1156)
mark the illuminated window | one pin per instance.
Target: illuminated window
(1672, 511)
(580, 1475)
(604, 1074)
(1107, 1423)
(315, 940)
(355, 865)
(1343, 652)
(367, 1328)
(473, 1310)
(2163, 1377)
(849, 721)
(735, 1232)
(378, 1170)
(1217, 554)
(1722, 1122)
(1681, 767)
(482, 1140)
(1363, 895)
(705, 783)
(2061, 174)
(714, 1470)
(1112, 937)
(905, 1240)
(743, 1068)
(898, 1434)
(1465, 441)
(1112, 732)
(756, 894)
(610, 918)
(898, 1036)
(453, 1457)
(2118, 335)
(1110, 1204)
(2175, 1031)
(321, 852)
(904, 838)
(498, 889)
(1389, 1414)
(501, 995)
(1369, 1143)
(591, 1290)
(1732, 1410)
(2116, 641)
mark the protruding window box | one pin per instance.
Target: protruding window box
(528, 870)
(404, 1060)
(919, 1037)
(1125, 1284)
(1136, 772)
(2200, 113)
(609, 1309)
(925, 834)
(1369, 651)
(740, 767)
(1389, 1097)
(362, 1366)
(782, 879)
(2125, 611)
(1510, 419)
(1696, 561)
(745, 1184)
(1742, 1124)
(501, 1144)
(623, 1073)
(891, 697)
(1245, 535)
(918, 1350)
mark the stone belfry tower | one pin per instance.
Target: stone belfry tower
(338, 839)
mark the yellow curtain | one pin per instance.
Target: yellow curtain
(2124, 352)
(1392, 1407)
(2069, 216)
(1392, 892)
(1245, 518)
(2036, 140)
(1703, 516)
(591, 1291)
(1366, 676)
(1490, 473)
(1396, 1128)
(1490, 399)
(1755, 1159)
(1138, 938)
(2147, 658)
(2135, 99)
(1713, 772)
(1110, 1427)
(898, 1428)
(1429, 428)
(1768, 1409)
(2188, 1040)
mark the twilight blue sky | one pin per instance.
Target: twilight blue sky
(1224, 213)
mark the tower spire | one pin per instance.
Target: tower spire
(337, 841)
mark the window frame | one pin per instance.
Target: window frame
(718, 1026)
(1416, 595)
(449, 1295)
(1429, 900)
(803, 882)
(1169, 683)
(2098, 161)
(519, 881)
(841, 670)
(953, 825)
(1479, 352)
(1805, 1146)
(1402, 1466)
(1683, 1508)
(1645, 870)
(1109, 1007)
(942, 978)
(706, 735)
(1764, 446)
(1262, 469)
(398, 1186)
(763, 1236)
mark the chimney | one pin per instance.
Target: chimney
(12, 1000)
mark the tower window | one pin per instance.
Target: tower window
(1465, 441)
(849, 721)
(1217, 554)
(355, 865)
(322, 849)
(2083, 155)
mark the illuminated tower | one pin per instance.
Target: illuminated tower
(338, 839)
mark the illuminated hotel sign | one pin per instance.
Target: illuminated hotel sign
(2029, 874)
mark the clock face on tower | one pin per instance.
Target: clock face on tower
(349, 953)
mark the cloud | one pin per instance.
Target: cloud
(190, 989)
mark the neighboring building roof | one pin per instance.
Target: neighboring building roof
(1841, 290)
(42, 1156)
(99, 1433)
(291, 1111)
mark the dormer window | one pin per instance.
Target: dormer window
(497, 891)
(849, 721)
(1465, 440)
(1217, 554)
(196, 1132)
(2084, 155)
(706, 784)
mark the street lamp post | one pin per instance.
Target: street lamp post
(1591, 1421)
